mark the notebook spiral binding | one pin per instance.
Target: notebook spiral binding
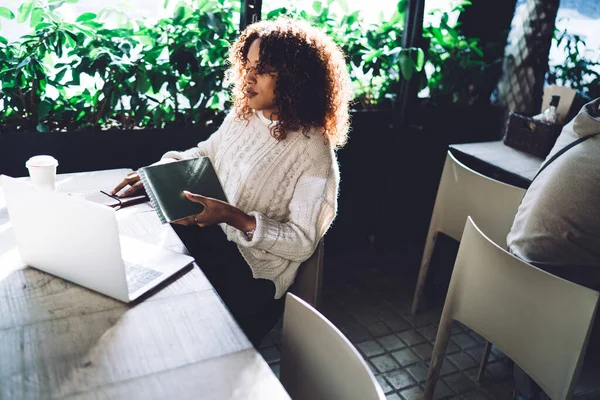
(151, 195)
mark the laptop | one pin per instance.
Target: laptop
(79, 241)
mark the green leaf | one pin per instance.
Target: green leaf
(88, 16)
(317, 6)
(25, 11)
(43, 109)
(43, 25)
(373, 54)
(401, 6)
(72, 1)
(42, 127)
(61, 74)
(92, 24)
(36, 17)
(23, 63)
(3, 40)
(6, 13)
(179, 14)
(406, 66)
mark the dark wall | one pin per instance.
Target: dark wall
(90, 151)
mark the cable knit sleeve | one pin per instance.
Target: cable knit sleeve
(311, 211)
(206, 148)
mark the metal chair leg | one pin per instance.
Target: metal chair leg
(484, 360)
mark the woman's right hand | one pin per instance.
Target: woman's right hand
(135, 185)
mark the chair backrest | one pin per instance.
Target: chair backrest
(317, 360)
(308, 282)
(540, 321)
(463, 192)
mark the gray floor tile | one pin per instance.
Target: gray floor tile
(476, 395)
(414, 393)
(405, 357)
(499, 369)
(366, 316)
(477, 353)
(355, 332)
(385, 386)
(423, 350)
(399, 379)
(478, 337)
(370, 348)
(473, 372)
(391, 342)
(497, 391)
(457, 328)
(411, 337)
(465, 341)
(424, 318)
(429, 332)
(497, 352)
(442, 391)
(447, 368)
(384, 363)
(452, 347)
(459, 382)
(378, 329)
(419, 371)
(393, 396)
(397, 324)
(462, 360)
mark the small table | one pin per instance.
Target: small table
(499, 161)
(58, 339)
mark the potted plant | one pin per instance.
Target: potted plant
(76, 89)
(577, 71)
(456, 83)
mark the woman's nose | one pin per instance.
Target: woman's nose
(251, 75)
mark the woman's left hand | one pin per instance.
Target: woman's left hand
(215, 211)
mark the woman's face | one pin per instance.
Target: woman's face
(260, 88)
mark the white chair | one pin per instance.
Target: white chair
(463, 192)
(540, 321)
(309, 279)
(318, 362)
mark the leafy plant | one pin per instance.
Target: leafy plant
(376, 60)
(455, 63)
(577, 71)
(69, 75)
(167, 74)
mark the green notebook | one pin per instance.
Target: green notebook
(165, 184)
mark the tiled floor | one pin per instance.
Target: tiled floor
(368, 295)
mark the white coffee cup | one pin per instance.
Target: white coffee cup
(42, 170)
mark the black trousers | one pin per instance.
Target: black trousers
(251, 301)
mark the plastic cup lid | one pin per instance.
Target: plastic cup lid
(41, 161)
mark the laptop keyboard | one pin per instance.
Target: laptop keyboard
(138, 276)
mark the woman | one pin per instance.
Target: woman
(275, 157)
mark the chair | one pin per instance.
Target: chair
(318, 362)
(540, 321)
(308, 282)
(463, 192)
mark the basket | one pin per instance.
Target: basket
(530, 135)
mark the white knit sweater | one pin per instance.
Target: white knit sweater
(290, 187)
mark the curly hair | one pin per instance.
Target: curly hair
(312, 87)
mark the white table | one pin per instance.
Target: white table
(60, 340)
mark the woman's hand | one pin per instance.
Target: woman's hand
(217, 212)
(133, 180)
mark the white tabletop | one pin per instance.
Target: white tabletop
(58, 339)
